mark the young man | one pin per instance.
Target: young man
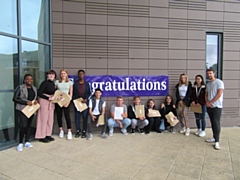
(97, 107)
(124, 123)
(141, 122)
(214, 103)
(81, 89)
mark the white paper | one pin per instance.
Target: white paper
(118, 111)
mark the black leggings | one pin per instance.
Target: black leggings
(66, 114)
(25, 126)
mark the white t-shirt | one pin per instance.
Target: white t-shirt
(96, 111)
(182, 90)
(63, 86)
(212, 89)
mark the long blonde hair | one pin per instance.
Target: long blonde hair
(60, 78)
(180, 82)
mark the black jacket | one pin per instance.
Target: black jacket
(187, 98)
(131, 113)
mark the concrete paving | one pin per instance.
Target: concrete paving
(155, 156)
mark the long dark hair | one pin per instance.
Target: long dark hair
(202, 83)
(171, 103)
(148, 103)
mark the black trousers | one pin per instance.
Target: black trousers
(154, 123)
(25, 126)
(215, 115)
(66, 111)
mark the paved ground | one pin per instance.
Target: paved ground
(155, 156)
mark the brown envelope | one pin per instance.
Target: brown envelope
(153, 113)
(65, 99)
(139, 111)
(30, 110)
(79, 105)
(101, 120)
(196, 109)
(170, 117)
(56, 96)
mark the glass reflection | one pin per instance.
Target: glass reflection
(212, 52)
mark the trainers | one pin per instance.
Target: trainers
(183, 130)
(133, 131)
(124, 131)
(217, 146)
(147, 133)
(20, 147)
(61, 134)
(28, 145)
(172, 130)
(78, 134)
(104, 136)
(140, 130)
(69, 135)
(198, 132)
(83, 134)
(89, 137)
(110, 132)
(187, 133)
(210, 140)
(202, 134)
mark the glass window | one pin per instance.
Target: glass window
(214, 53)
(9, 63)
(35, 60)
(35, 19)
(8, 18)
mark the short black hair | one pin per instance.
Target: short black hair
(26, 75)
(81, 70)
(210, 69)
(51, 71)
(98, 89)
(135, 97)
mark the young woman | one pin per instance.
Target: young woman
(46, 111)
(183, 95)
(167, 107)
(154, 122)
(198, 98)
(25, 94)
(65, 86)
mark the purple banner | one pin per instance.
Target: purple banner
(113, 86)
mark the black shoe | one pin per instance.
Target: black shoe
(133, 131)
(140, 130)
(172, 130)
(50, 138)
(159, 132)
(83, 134)
(44, 140)
(147, 133)
(78, 134)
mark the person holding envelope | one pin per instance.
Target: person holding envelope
(97, 108)
(45, 114)
(118, 117)
(198, 100)
(154, 122)
(139, 121)
(167, 107)
(65, 86)
(81, 89)
(25, 94)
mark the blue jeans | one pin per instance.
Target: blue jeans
(112, 123)
(201, 119)
(77, 119)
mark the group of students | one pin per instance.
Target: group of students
(186, 95)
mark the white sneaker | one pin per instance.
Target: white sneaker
(202, 134)
(217, 146)
(61, 134)
(28, 144)
(124, 131)
(104, 136)
(187, 133)
(198, 132)
(89, 136)
(20, 147)
(110, 132)
(69, 135)
(210, 140)
(183, 130)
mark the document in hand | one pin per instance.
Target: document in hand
(153, 113)
(118, 111)
(140, 111)
(101, 120)
(30, 110)
(196, 108)
(79, 105)
(170, 117)
(56, 96)
(65, 98)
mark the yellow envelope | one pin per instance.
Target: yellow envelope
(101, 120)
(56, 96)
(30, 110)
(153, 113)
(64, 100)
(79, 105)
(139, 111)
(170, 118)
(196, 109)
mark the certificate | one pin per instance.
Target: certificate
(118, 111)
(30, 110)
(153, 113)
(80, 106)
(140, 111)
(170, 117)
(56, 96)
(101, 120)
(65, 98)
(196, 108)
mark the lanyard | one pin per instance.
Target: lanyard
(198, 92)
